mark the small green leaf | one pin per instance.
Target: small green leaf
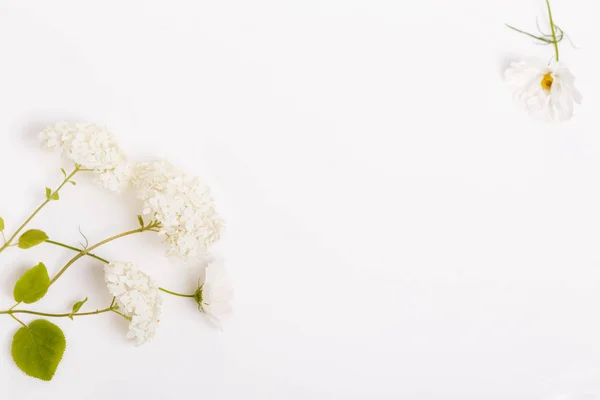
(141, 220)
(1, 224)
(38, 348)
(33, 285)
(73, 183)
(50, 195)
(32, 238)
(77, 307)
(63, 172)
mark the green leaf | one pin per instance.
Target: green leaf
(38, 348)
(73, 183)
(33, 285)
(32, 238)
(141, 220)
(77, 307)
(63, 172)
(1, 224)
(51, 196)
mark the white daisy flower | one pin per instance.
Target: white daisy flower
(215, 294)
(93, 147)
(547, 91)
(182, 204)
(137, 296)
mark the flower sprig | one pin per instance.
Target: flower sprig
(547, 92)
(51, 195)
(551, 38)
(175, 205)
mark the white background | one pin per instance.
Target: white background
(397, 228)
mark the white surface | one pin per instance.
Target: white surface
(397, 227)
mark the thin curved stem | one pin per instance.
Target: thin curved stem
(89, 249)
(553, 30)
(540, 38)
(176, 294)
(66, 246)
(8, 242)
(42, 314)
(18, 320)
(122, 315)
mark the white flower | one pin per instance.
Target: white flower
(215, 294)
(182, 204)
(93, 147)
(138, 298)
(547, 91)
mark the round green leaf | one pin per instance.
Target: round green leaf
(32, 238)
(33, 285)
(1, 224)
(38, 348)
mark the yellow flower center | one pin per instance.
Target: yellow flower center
(547, 82)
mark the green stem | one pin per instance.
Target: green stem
(177, 294)
(18, 320)
(540, 38)
(66, 246)
(553, 30)
(8, 242)
(89, 249)
(122, 315)
(11, 312)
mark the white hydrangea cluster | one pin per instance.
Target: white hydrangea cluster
(215, 294)
(179, 205)
(93, 147)
(182, 204)
(138, 298)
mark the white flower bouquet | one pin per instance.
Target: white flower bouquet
(176, 206)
